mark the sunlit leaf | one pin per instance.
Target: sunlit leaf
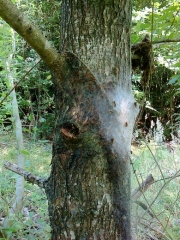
(177, 64)
(19, 57)
(48, 77)
(25, 152)
(174, 79)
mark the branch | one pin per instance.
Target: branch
(145, 207)
(31, 178)
(141, 44)
(18, 21)
(136, 193)
(16, 84)
(166, 41)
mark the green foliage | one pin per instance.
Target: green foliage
(174, 79)
(137, 89)
(33, 222)
(34, 93)
(160, 20)
(47, 16)
(46, 127)
(161, 23)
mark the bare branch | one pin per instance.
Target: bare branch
(15, 85)
(31, 178)
(139, 45)
(28, 176)
(166, 41)
(136, 193)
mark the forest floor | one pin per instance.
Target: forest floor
(162, 198)
(33, 223)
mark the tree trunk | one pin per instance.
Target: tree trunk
(19, 195)
(89, 186)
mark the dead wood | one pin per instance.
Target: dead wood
(136, 193)
(28, 176)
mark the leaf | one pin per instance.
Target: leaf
(9, 229)
(172, 35)
(31, 117)
(48, 77)
(177, 64)
(174, 79)
(42, 120)
(43, 141)
(26, 130)
(25, 152)
(20, 57)
(177, 118)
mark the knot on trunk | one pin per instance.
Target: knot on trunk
(69, 131)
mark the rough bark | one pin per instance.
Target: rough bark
(89, 186)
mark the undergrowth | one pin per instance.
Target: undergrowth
(162, 198)
(33, 222)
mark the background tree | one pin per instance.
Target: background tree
(161, 21)
(19, 199)
(89, 186)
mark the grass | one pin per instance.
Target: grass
(37, 161)
(162, 197)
